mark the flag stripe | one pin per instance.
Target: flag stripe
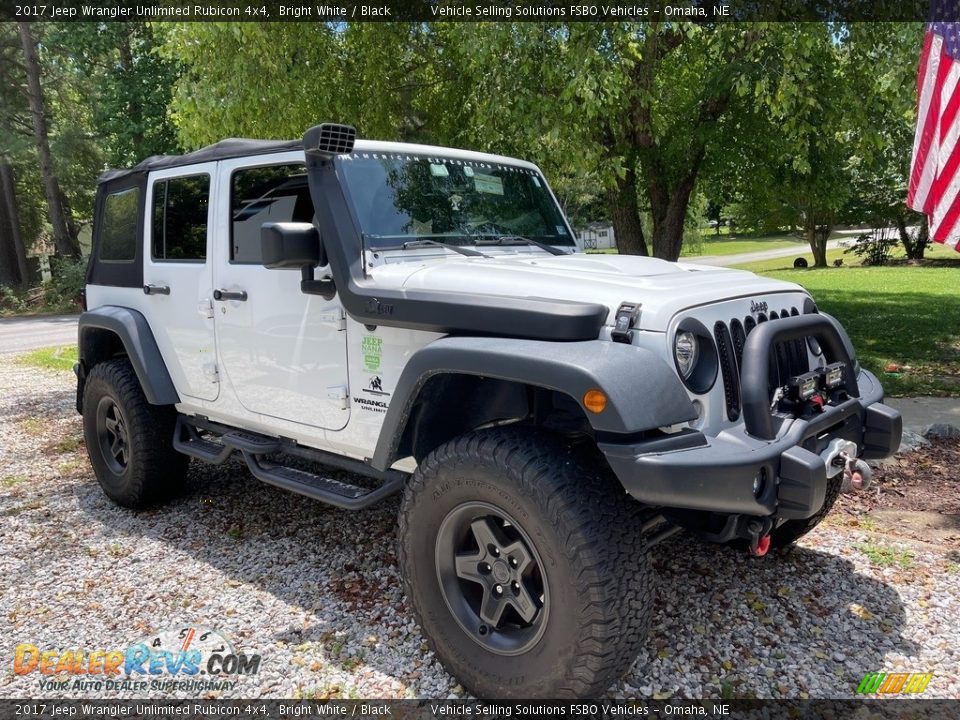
(928, 132)
(934, 186)
(947, 159)
(924, 92)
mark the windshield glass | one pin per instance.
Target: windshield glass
(401, 198)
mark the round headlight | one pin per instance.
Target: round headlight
(686, 348)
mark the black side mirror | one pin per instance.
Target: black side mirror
(291, 245)
(296, 245)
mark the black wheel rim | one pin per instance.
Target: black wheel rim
(112, 434)
(492, 579)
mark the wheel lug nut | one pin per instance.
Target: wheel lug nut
(513, 561)
(495, 552)
(498, 590)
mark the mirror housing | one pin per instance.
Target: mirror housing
(291, 245)
(296, 245)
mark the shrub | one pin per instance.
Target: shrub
(66, 284)
(11, 303)
(874, 247)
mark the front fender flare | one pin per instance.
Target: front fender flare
(643, 391)
(139, 343)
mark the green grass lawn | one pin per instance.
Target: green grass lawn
(905, 315)
(51, 358)
(725, 245)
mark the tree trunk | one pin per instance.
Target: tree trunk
(669, 214)
(134, 106)
(915, 245)
(817, 234)
(16, 254)
(65, 242)
(625, 214)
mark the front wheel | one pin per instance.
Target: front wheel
(524, 564)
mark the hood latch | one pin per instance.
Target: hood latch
(627, 317)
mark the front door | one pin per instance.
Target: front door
(177, 275)
(285, 353)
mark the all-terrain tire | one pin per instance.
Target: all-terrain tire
(793, 530)
(583, 528)
(145, 469)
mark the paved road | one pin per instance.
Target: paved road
(921, 412)
(29, 333)
(741, 258)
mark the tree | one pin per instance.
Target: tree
(645, 104)
(13, 254)
(648, 111)
(64, 229)
(128, 84)
(884, 141)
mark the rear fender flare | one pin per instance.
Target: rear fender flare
(134, 333)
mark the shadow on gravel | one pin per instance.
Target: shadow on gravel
(726, 624)
(797, 621)
(43, 403)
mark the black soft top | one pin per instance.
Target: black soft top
(229, 148)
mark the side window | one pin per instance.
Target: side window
(180, 218)
(275, 193)
(118, 225)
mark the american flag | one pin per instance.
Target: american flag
(934, 177)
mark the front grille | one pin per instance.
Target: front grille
(786, 359)
(729, 368)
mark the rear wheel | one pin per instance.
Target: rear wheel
(524, 564)
(129, 441)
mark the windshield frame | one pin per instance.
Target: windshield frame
(442, 154)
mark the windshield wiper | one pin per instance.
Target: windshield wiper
(456, 248)
(423, 242)
(520, 240)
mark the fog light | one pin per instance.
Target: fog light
(759, 480)
(833, 375)
(804, 387)
(595, 401)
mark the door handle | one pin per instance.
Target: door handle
(240, 295)
(156, 289)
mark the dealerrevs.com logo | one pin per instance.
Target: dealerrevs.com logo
(192, 659)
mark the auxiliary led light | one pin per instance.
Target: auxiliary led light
(833, 375)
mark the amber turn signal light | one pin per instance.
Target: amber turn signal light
(595, 401)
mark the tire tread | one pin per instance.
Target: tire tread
(603, 545)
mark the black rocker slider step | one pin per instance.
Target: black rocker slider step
(248, 442)
(256, 447)
(302, 481)
(331, 491)
(187, 440)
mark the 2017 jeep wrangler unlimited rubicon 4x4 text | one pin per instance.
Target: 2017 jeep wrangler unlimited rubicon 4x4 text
(419, 316)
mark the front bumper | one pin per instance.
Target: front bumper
(739, 473)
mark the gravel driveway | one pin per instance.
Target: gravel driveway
(316, 592)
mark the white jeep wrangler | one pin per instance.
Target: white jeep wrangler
(420, 316)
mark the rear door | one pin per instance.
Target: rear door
(177, 275)
(285, 353)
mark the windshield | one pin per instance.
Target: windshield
(400, 198)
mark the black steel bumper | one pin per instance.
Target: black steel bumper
(769, 466)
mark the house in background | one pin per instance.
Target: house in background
(596, 236)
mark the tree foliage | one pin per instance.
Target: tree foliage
(792, 125)
(104, 93)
